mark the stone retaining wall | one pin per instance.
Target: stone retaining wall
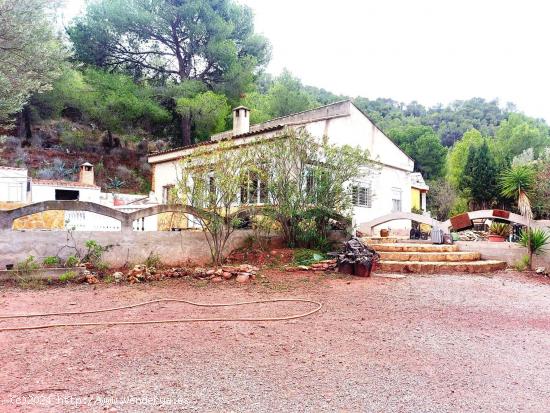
(128, 246)
(503, 251)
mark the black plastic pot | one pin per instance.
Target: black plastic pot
(345, 268)
(9, 266)
(362, 269)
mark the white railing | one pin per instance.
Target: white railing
(89, 221)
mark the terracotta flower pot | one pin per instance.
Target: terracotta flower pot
(496, 238)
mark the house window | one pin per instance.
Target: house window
(361, 195)
(253, 190)
(168, 196)
(66, 195)
(396, 200)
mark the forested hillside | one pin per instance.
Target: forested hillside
(132, 76)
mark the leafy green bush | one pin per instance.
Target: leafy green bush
(94, 253)
(73, 139)
(304, 256)
(522, 264)
(50, 261)
(71, 261)
(538, 238)
(153, 260)
(67, 276)
(27, 265)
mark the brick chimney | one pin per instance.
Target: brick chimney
(241, 120)
(86, 176)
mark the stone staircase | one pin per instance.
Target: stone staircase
(430, 259)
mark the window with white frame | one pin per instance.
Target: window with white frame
(253, 190)
(396, 199)
(361, 195)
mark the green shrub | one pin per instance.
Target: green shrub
(94, 253)
(71, 261)
(73, 139)
(27, 265)
(538, 238)
(153, 260)
(522, 264)
(50, 261)
(460, 206)
(67, 276)
(101, 266)
(304, 256)
(311, 238)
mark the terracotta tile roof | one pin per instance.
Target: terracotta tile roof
(12, 168)
(205, 143)
(60, 182)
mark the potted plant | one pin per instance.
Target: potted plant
(498, 232)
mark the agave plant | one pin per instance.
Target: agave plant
(115, 184)
(500, 229)
(535, 239)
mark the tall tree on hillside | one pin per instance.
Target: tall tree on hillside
(421, 144)
(479, 178)
(284, 95)
(520, 132)
(211, 41)
(206, 111)
(30, 53)
(458, 154)
(112, 101)
(288, 95)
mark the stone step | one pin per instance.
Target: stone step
(410, 247)
(393, 240)
(381, 240)
(428, 267)
(430, 256)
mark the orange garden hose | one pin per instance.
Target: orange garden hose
(170, 321)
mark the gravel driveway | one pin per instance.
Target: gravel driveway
(447, 343)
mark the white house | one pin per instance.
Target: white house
(17, 189)
(14, 186)
(84, 189)
(375, 194)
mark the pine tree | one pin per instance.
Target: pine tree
(480, 176)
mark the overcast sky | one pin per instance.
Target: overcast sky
(432, 51)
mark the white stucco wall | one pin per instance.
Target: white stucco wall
(40, 193)
(13, 185)
(393, 167)
(166, 173)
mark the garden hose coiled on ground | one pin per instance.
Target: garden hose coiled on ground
(317, 304)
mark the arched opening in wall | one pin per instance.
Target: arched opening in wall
(61, 220)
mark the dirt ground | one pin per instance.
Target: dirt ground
(446, 343)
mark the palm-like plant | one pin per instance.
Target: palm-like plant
(535, 239)
(517, 182)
